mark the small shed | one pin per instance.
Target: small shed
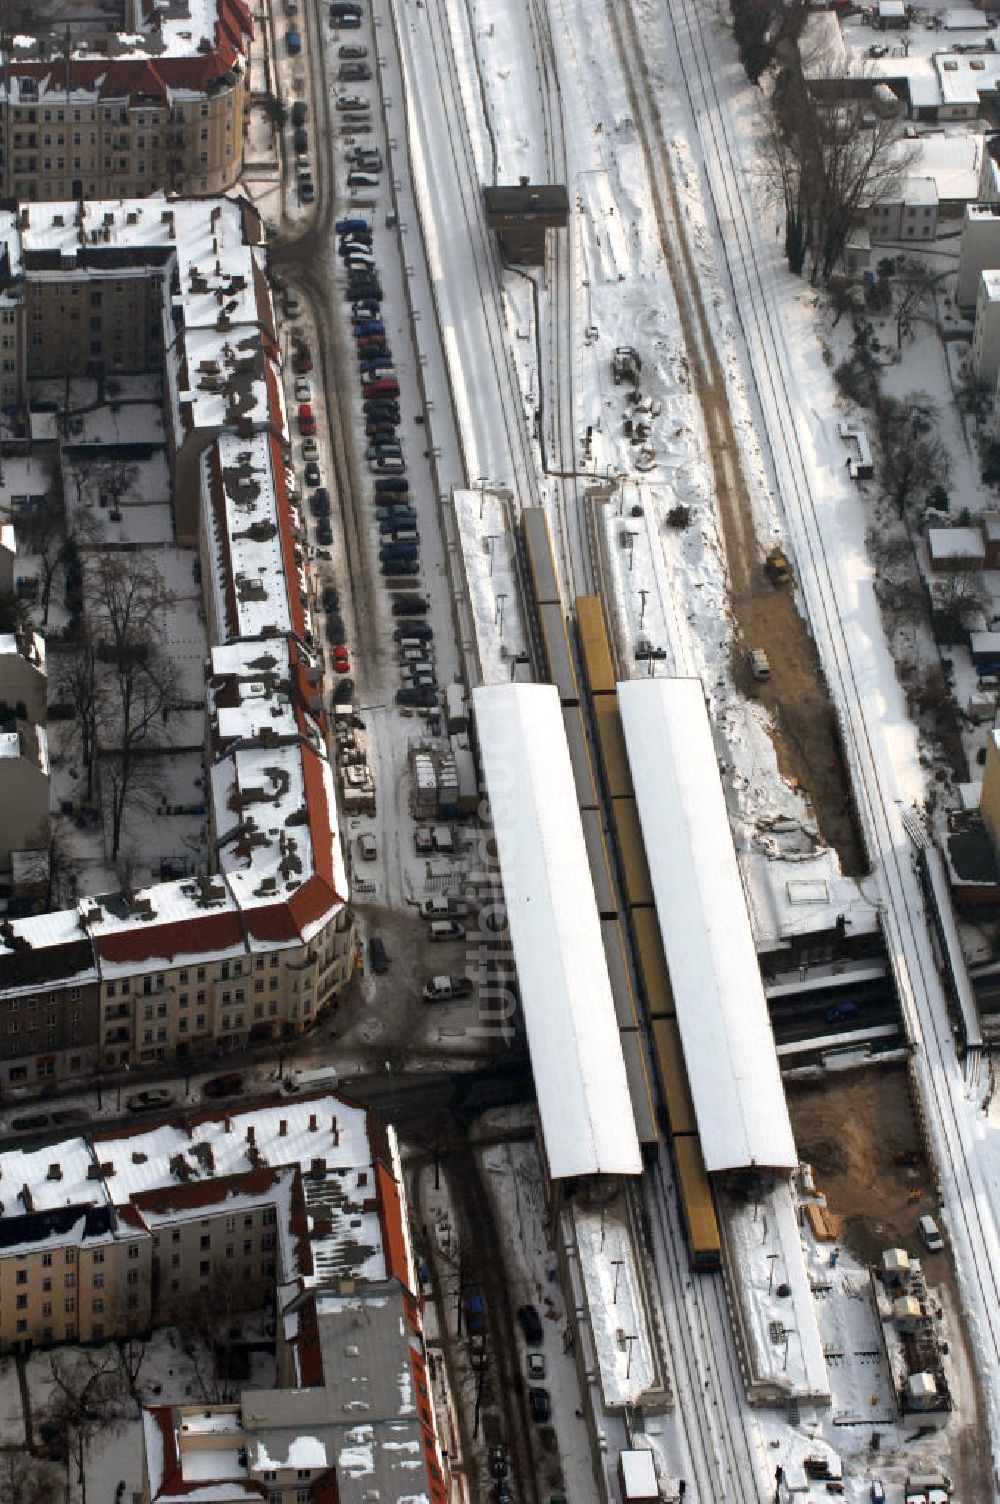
(892, 15)
(637, 1476)
(991, 535)
(896, 1269)
(985, 650)
(906, 1313)
(456, 708)
(921, 1391)
(521, 215)
(950, 550)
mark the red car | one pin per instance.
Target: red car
(302, 360)
(306, 419)
(341, 660)
(223, 1086)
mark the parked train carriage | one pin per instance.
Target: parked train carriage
(595, 650)
(651, 963)
(643, 1106)
(632, 854)
(697, 1206)
(611, 747)
(541, 559)
(557, 653)
(600, 869)
(579, 756)
(670, 1066)
(621, 982)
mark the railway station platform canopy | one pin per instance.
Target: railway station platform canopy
(576, 1054)
(701, 908)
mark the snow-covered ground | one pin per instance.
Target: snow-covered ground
(826, 521)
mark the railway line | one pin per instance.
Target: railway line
(494, 430)
(673, 1202)
(924, 1005)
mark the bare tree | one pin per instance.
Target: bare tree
(115, 475)
(78, 467)
(88, 1398)
(80, 683)
(915, 465)
(205, 1327)
(131, 1357)
(959, 600)
(915, 284)
(763, 29)
(827, 161)
(28, 1480)
(42, 531)
(128, 599)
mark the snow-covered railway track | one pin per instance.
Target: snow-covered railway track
(494, 431)
(560, 460)
(972, 1217)
(709, 1404)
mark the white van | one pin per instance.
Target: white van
(446, 929)
(930, 1234)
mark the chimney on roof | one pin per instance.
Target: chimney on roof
(28, 1203)
(312, 1122)
(250, 1134)
(335, 1130)
(55, 1172)
(317, 1168)
(227, 1123)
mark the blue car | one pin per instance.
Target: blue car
(841, 1011)
(346, 226)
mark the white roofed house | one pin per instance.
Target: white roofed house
(908, 214)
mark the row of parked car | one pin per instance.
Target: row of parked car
(395, 516)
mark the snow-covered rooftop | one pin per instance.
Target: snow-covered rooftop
(576, 1054)
(283, 854)
(160, 1173)
(175, 51)
(950, 159)
(702, 911)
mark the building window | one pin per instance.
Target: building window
(97, 1305)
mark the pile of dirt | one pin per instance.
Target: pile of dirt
(859, 1134)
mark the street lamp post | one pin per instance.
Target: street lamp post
(616, 1264)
